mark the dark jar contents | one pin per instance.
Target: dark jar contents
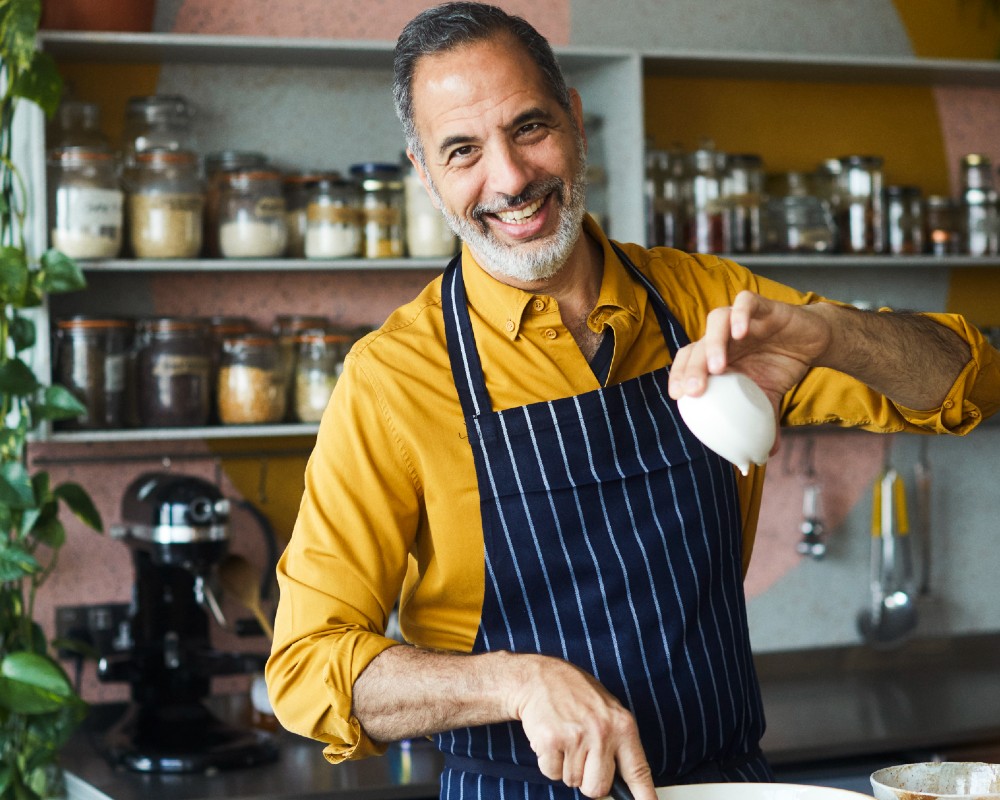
(90, 361)
(173, 373)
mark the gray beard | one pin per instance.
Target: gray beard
(528, 261)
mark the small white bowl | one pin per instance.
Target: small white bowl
(955, 780)
(756, 791)
(733, 418)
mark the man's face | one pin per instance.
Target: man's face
(503, 161)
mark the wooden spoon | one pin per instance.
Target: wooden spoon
(242, 580)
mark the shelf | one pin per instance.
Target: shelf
(821, 262)
(263, 265)
(176, 434)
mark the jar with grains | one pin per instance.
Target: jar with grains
(220, 328)
(861, 222)
(251, 388)
(381, 209)
(427, 231)
(77, 123)
(319, 362)
(216, 165)
(252, 220)
(333, 220)
(159, 121)
(172, 372)
(90, 361)
(288, 327)
(297, 187)
(84, 203)
(165, 205)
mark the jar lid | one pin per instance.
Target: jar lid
(256, 341)
(939, 201)
(165, 157)
(865, 162)
(295, 323)
(373, 176)
(81, 153)
(296, 180)
(243, 175)
(172, 325)
(324, 337)
(976, 160)
(81, 322)
(159, 107)
(233, 159)
(903, 191)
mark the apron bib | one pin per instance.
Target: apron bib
(613, 541)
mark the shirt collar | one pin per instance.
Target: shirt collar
(503, 306)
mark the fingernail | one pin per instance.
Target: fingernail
(715, 364)
(691, 384)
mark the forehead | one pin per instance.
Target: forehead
(475, 80)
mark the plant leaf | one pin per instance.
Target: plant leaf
(15, 485)
(17, 32)
(13, 275)
(79, 502)
(50, 531)
(57, 402)
(59, 273)
(40, 83)
(22, 333)
(17, 378)
(32, 683)
(16, 562)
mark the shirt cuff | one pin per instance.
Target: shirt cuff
(957, 415)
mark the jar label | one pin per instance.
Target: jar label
(337, 215)
(383, 215)
(171, 366)
(114, 373)
(267, 207)
(87, 208)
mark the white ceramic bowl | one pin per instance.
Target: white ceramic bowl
(968, 780)
(755, 791)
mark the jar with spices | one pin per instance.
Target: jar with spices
(85, 203)
(90, 361)
(288, 328)
(665, 197)
(862, 218)
(333, 219)
(904, 220)
(705, 208)
(427, 231)
(165, 205)
(172, 372)
(980, 222)
(382, 209)
(942, 237)
(252, 220)
(156, 122)
(221, 328)
(216, 165)
(743, 189)
(319, 362)
(297, 186)
(251, 387)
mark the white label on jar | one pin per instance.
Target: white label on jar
(98, 211)
(114, 373)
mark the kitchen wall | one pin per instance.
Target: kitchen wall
(794, 603)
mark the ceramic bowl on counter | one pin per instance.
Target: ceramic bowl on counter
(755, 791)
(949, 780)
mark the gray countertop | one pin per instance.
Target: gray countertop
(825, 709)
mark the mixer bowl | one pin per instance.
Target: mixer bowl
(755, 791)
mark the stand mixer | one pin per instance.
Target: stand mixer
(176, 527)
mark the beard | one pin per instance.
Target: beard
(524, 261)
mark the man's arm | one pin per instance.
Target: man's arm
(909, 358)
(578, 730)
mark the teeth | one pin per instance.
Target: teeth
(520, 214)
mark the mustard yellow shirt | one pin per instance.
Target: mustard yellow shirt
(391, 506)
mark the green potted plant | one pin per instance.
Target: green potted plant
(39, 707)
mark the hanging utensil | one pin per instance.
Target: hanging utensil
(242, 580)
(811, 527)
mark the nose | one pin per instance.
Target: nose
(508, 170)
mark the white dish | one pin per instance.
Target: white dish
(755, 791)
(733, 418)
(968, 780)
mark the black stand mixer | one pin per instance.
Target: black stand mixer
(177, 529)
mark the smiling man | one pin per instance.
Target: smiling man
(504, 458)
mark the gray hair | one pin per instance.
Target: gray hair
(451, 25)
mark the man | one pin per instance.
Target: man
(505, 458)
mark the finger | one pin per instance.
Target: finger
(742, 311)
(715, 342)
(598, 773)
(634, 770)
(550, 764)
(574, 767)
(678, 370)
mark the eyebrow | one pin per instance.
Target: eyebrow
(526, 116)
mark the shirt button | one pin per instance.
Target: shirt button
(539, 304)
(948, 404)
(509, 325)
(550, 334)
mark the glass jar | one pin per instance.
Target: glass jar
(252, 220)
(862, 219)
(251, 386)
(90, 361)
(597, 173)
(221, 328)
(942, 236)
(85, 203)
(77, 123)
(665, 197)
(156, 122)
(796, 220)
(288, 328)
(216, 165)
(743, 189)
(297, 186)
(427, 231)
(165, 205)
(172, 372)
(705, 209)
(904, 220)
(319, 362)
(333, 220)
(980, 222)
(381, 208)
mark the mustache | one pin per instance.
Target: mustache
(533, 191)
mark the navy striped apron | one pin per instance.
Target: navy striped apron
(613, 541)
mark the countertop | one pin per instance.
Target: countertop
(841, 711)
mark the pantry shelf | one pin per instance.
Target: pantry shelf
(262, 265)
(177, 434)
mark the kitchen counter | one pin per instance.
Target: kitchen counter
(833, 715)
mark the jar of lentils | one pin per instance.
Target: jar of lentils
(85, 202)
(165, 205)
(172, 372)
(251, 387)
(382, 202)
(252, 222)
